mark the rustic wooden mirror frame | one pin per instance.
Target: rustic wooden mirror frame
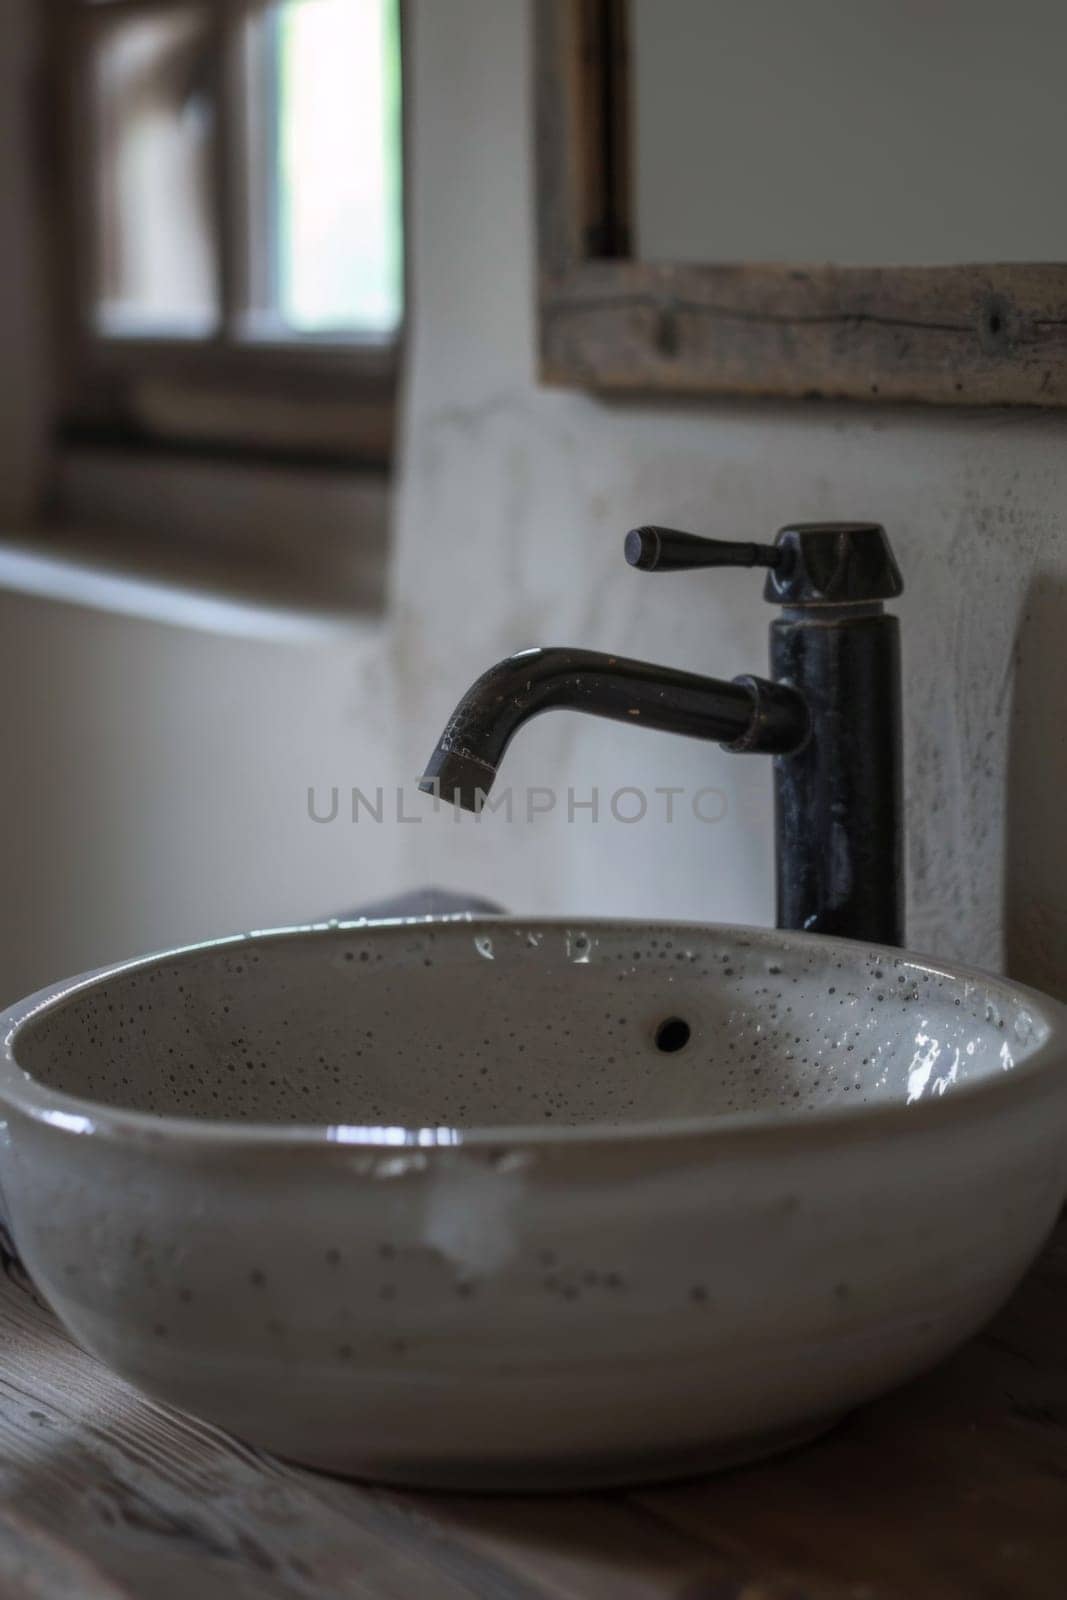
(951, 335)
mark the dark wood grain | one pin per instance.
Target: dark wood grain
(954, 1488)
(957, 335)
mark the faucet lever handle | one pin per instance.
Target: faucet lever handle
(669, 550)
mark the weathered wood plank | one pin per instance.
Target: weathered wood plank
(953, 1489)
(970, 335)
(150, 1501)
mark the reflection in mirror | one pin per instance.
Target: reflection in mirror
(885, 132)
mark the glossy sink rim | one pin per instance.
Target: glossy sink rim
(1040, 1072)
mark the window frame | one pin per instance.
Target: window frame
(352, 382)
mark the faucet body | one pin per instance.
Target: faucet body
(838, 799)
(829, 716)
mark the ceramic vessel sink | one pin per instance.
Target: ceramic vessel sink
(510, 1205)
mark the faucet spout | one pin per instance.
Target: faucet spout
(747, 714)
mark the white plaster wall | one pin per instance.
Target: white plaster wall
(514, 501)
(155, 783)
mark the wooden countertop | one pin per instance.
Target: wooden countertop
(954, 1488)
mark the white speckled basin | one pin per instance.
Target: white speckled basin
(427, 1202)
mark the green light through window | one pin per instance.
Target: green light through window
(339, 210)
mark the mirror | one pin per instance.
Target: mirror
(883, 133)
(766, 197)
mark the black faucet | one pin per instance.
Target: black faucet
(829, 715)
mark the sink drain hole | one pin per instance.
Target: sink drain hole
(672, 1035)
